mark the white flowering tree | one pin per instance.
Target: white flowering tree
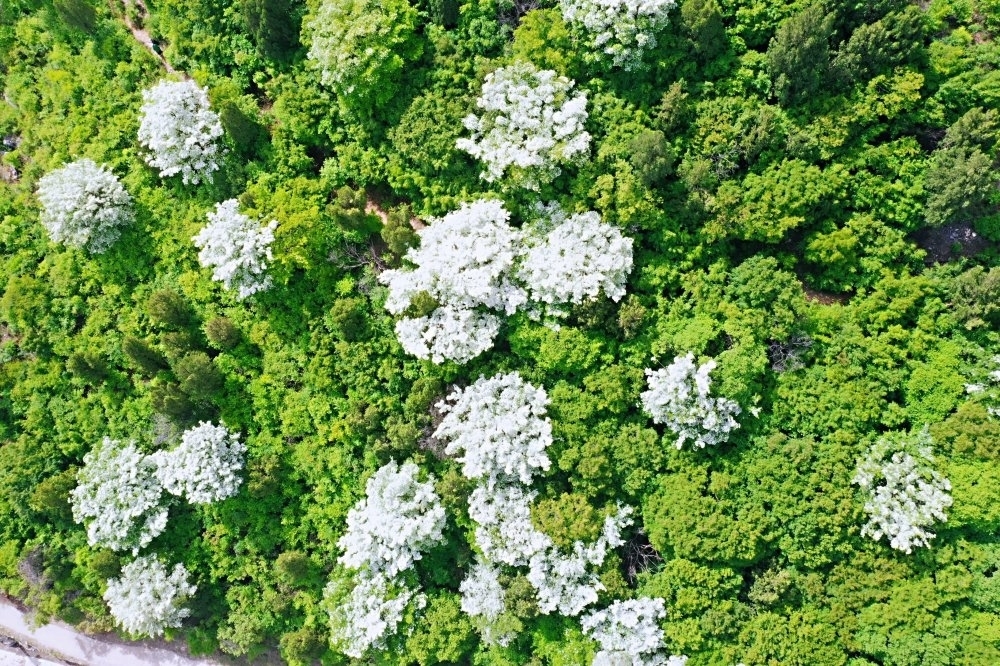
(628, 628)
(529, 123)
(84, 205)
(679, 398)
(463, 263)
(567, 582)
(366, 609)
(205, 467)
(904, 495)
(236, 248)
(482, 593)
(399, 517)
(504, 531)
(361, 47)
(499, 428)
(179, 131)
(463, 260)
(448, 333)
(118, 497)
(471, 266)
(147, 598)
(387, 531)
(573, 258)
(621, 30)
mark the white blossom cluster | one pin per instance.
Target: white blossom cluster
(482, 593)
(118, 497)
(463, 263)
(472, 263)
(629, 633)
(180, 131)
(146, 599)
(529, 124)
(678, 397)
(386, 533)
(578, 258)
(236, 248)
(84, 205)
(621, 29)
(566, 582)
(448, 333)
(360, 46)
(398, 518)
(904, 494)
(204, 467)
(499, 427)
(370, 612)
(618, 658)
(504, 531)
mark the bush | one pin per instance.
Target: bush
(198, 377)
(222, 333)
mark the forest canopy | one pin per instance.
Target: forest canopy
(496, 332)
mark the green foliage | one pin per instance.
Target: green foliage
(798, 58)
(652, 157)
(273, 26)
(197, 376)
(143, 356)
(543, 38)
(167, 308)
(703, 21)
(567, 518)
(775, 169)
(222, 333)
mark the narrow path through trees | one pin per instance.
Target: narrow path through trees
(142, 35)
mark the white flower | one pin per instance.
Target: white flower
(463, 261)
(566, 582)
(678, 397)
(504, 531)
(575, 259)
(145, 599)
(905, 495)
(398, 518)
(204, 467)
(529, 123)
(179, 130)
(236, 248)
(482, 594)
(621, 29)
(630, 628)
(84, 205)
(362, 617)
(499, 427)
(118, 497)
(448, 333)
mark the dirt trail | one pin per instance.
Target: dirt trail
(142, 35)
(61, 642)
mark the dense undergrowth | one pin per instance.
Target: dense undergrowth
(811, 190)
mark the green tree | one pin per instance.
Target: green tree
(798, 58)
(222, 333)
(143, 356)
(362, 48)
(651, 156)
(198, 376)
(702, 20)
(274, 26)
(168, 308)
